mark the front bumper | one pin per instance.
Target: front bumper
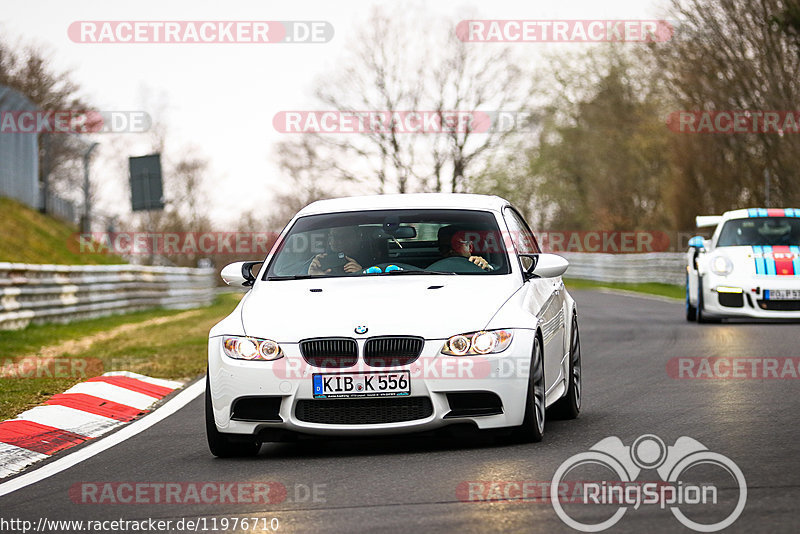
(720, 298)
(433, 376)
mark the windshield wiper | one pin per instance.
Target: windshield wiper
(317, 276)
(398, 272)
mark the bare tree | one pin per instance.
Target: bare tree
(29, 70)
(600, 157)
(311, 174)
(750, 59)
(439, 75)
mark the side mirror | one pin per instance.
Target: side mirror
(543, 265)
(240, 273)
(697, 242)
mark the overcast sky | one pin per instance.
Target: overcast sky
(222, 97)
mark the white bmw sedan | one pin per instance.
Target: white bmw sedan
(394, 314)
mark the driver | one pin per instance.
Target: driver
(453, 243)
(776, 232)
(344, 242)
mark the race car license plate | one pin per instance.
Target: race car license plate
(379, 384)
(782, 294)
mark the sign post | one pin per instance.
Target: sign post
(146, 183)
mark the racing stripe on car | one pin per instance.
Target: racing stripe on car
(758, 257)
(796, 259)
(769, 260)
(83, 412)
(782, 256)
(775, 213)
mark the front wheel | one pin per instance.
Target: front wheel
(223, 445)
(691, 311)
(569, 406)
(702, 316)
(532, 428)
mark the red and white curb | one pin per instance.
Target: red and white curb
(83, 412)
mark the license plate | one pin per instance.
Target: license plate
(381, 384)
(782, 294)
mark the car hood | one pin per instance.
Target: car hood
(761, 261)
(434, 307)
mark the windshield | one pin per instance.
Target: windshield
(391, 242)
(760, 231)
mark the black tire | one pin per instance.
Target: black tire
(569, 406)
(223, 445)
(691, 311)
(702, 317)
(532, 428)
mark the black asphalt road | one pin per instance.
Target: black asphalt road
(410, 485)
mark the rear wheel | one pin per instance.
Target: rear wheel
(224, 445)
(532, 428)
(569, 406)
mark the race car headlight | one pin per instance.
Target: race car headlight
(721, 266)
(251, 348)
(483, 342)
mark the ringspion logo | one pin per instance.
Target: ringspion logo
(696, 505)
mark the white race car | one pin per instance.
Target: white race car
(749, 268)
(394, 314)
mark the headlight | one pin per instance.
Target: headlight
(251, 348)
(483, 342)
(721, 266)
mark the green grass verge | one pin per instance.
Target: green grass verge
(663, 290)
(27, 236)
(174, 348)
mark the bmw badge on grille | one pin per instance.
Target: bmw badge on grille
(361, 329)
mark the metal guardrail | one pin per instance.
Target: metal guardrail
(663, 267)
(63, 293)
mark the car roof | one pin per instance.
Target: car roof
(761, 212)
(408, 200)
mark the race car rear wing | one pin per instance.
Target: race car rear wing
(704, 221)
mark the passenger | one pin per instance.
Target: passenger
(344, 242)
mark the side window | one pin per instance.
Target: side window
(521, 235)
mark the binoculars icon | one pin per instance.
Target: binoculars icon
(646, 453)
